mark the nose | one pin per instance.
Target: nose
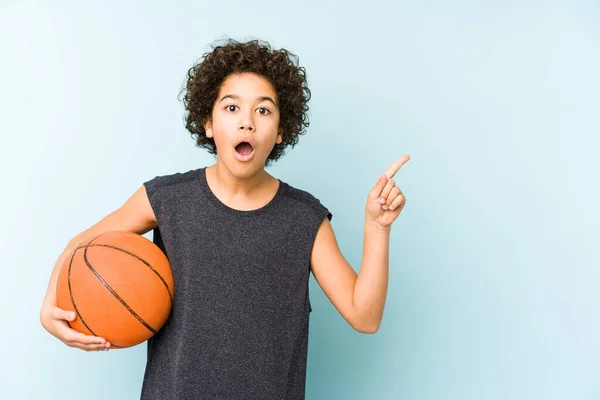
(246, 122)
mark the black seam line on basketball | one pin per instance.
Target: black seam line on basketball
(139, 258)
(71, 294)
(110, 289)
(112, 345)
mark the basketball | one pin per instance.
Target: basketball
(120, 286)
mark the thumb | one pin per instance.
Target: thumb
(378, 188)
(63, 314)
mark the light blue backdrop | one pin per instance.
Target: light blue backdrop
(494, 274)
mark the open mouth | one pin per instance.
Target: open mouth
(244, 149)
(244, 152)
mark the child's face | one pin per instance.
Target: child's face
(246, 108)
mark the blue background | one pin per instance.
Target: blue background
(494, 276)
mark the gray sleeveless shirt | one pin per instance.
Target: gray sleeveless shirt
(239, 324)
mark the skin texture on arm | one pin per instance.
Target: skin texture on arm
(360, 299)
(137, 216)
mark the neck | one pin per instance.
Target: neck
(241, 186)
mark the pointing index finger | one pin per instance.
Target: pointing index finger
(396, 166)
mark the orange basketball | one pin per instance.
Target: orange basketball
(120, 285)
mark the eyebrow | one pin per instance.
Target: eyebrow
(259, 98)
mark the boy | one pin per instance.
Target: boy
(242, 243)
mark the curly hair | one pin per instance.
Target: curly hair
(279, 67)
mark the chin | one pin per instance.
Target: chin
(247, 169)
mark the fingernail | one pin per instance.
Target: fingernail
(72, 315)
(385, 207)
(381, 200)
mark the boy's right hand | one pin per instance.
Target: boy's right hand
(54, 320)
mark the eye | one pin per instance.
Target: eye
(264, 111)
(229, 107)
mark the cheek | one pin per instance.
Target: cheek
(220, 131)
(270, 127)
(219, 139)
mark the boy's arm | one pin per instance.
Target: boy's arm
(137, 216)
(360, 299)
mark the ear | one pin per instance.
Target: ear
(208, 129)
(279, 136)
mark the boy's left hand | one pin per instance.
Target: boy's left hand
(386, 200)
